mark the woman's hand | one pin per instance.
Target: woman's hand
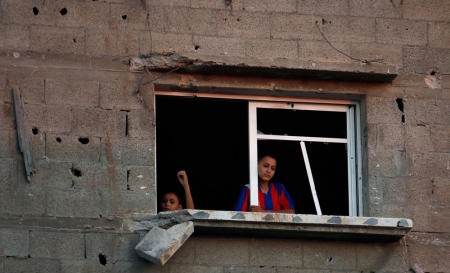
(182, 177)
(256, 209)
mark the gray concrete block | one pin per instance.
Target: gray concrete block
(128, 151)
(37, 143)
(387, 190)
(390, 137)
(165, 42)
(84, 14)
(325, 7)
(430, 258)
(207, 4)
(124, 203)
(82, 266)
(7, 116)
(159, 245)
(431, 112)
(100, 123)
(294, 26)
(387, 106)
(403, 80)
(243, 24)
(437, 35)
(72, 203)
(199, 21)
(141, 124)
(440, 138)
(141, 179)
(157, 20)
(429, 219)
(56, 245)
(58, 40)
(72, 148)
(288, 6)
(433, 10)
(256, 269)
(388, 210)
(276, 252)
(128, 16)
(219, 46)
(8, 146)
(112, 42)
(329, 255)
(14, 38)
(14, 243)
(382, 257)
(390, 54)
(418, 139)
(71, 92)
(207, 251)
(14, 265)
(344, 29)
(429, 164)
(371, 136)
(271, 48)
(120, 96)
(322, 51)
(8, 171)
(31, 88)
(403, 32)
(423, 60)
(115, 247)
(388, 163)
(22, 201)
(169, 3)
(195, 269)
(52, 174)
(98, 176)
(441, 191)
(49, 118)
(185, 254)
(377, 8)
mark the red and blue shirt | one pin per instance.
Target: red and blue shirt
(276, 198)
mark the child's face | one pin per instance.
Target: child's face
(266, 168)
(170, 202)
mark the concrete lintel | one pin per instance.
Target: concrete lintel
(282, 225)
(284, 68)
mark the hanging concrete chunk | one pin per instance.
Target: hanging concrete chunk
(160, 244)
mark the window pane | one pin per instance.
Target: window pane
(301, 123)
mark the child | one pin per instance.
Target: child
(171, 201)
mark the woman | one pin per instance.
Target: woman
(272, 197)
(171, 201)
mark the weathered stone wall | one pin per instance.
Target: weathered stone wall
(68, 58)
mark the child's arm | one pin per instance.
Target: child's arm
(182, 177)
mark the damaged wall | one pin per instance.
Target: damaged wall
(93, 135)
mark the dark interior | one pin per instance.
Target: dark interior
(209, 139)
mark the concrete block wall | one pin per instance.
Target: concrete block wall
(93, 133)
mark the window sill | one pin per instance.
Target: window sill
(280, 225)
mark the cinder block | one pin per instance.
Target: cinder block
(403, 32)
(403, 80)
(260, 269)
(72, 203)
(329, 255)
(388, 163)
(120, 96)
(288, 6)
(57, 245)
(49, 118)
(71, 92)
(140, 265)
(156, 20)
(72, 148)
(388, 210)
(82, 266)
(344, 29)
(386, 190)
(8, 146)
(88, 14)
(128, 151)
(390, 137)
(165, 42)
(419, 190)
(424, 60)
(431, 112)
(23, 14)
(325, 7)
(243, 24)
(185, 254)
(370, 138)
(14, 243)
(52, 175)
(441, 191)
(124, 203)
(271, 48)
(429, 164)
(417, 139)
(14, 265)
(430, 258)
(207, 4)
(322, 51)
(98, 176)
(218, 46)
(141, 179)
(7, 116)
(377, 8)
(115, 247)
(97, 122)
(132, 16)
(31, 88)
(141, 124)
(432, 10)
(195, 269)
(37, 143)
(387, 106)
(294, 26)
(389, 54)
(382, 257)
(58, 40)
(231, 251)
(440, 138)
(22, 201)
(425, 238)
(276, 252)
(14, 38)
(112, 42)
(199, 21)
(169, 3)
(8, 172)
(438, 35)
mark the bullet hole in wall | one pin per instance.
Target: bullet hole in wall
(102, 259)
(330, 259)
(124, 17)
(58, 139)
(128, 180)
(401, 106)
(74, 40)
(75, 172)
(432, 73)
(83, 140)
(35, 131)
(238, 19)
(197, 47)
(35, 11)
(63, 11)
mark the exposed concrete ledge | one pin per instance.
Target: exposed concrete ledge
(286, 68)
(280, 225)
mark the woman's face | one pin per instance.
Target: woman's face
(170, 202)
(266, 168)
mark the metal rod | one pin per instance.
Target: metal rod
(310, 178)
